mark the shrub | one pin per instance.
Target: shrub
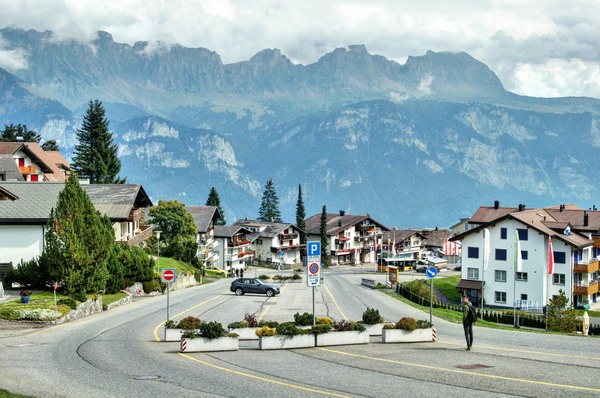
(305, 319)
(271, 324)
(79, 296)
(212, 330)
(406, 323)
(371, 316)
(251, 320)
(190, 323)
(266, 331)
(239, 324)
(345, 325)
(151, 286)
(263, 277)
(170, 324)
(296, 277)
(324, 321)
(69, 302)
(288, 329)
(321, 328)
(423, 324)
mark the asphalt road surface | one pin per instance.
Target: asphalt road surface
(119, 353)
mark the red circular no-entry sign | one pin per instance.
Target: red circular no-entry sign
(168, 275)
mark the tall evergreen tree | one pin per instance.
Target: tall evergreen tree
(95, 155)
(269, 206)
(79, 242)
(50, 145)
(324, 237)
(301, 215)
(215, 200)
(11, 132)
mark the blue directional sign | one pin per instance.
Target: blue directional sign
(313, 248)
(431, 272)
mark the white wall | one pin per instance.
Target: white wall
(20, 242)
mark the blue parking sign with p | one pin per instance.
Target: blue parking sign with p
(314, 248)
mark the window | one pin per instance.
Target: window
(522, 276)
(500, 297)
(559, 257)
(524, 254)
(473, 273)
(500, 276)
(523, 234)
(523, 297)
(558, 279)
(21, 162)
(472, 252)
(502, 233)
(501, 254)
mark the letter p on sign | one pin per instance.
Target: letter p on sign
(314, 248)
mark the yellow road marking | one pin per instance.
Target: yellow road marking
(181, 313)
(552, 354)
(280, 383)
(417, 365)
(335, 302)
(274, 299)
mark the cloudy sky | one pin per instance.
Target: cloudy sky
(542, 48)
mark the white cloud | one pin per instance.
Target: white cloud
(551, 46)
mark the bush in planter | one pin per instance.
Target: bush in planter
(266, 331)
(371, 316)
(288, 329)
(423, 324)
(170, 324)
(324, 321)
(305, 319)
(212, 330)
(238, 324)
(345, 325)
(263, 277)
(190, 323)
(296, 277)
(249, 321)
(321, 328)
(271, 324)
(406, 323)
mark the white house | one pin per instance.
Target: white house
(523, 235)
(205, 218)
(234, 251)
(352, 239)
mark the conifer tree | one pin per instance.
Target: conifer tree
(215, 200)
(269, 206)
(324, 237)
(560, 315)
(79, 242)
(300, 216)
(50, 145)
(95, 155)
(11, 132)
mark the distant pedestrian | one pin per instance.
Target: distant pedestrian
(237, 272)
(242, 272)
(468, 321)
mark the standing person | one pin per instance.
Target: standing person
(468, 321)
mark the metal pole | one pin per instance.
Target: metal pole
(168, 290)
(515, 298)
(314, 313)
(482, 283)
(431, 303)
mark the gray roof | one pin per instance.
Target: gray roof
(229, 231)
(337, 222)
(271, 229)
(36, 199)
(9, 168)
(203, 216)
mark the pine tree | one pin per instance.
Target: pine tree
(324, 237)
(561, 316)
(269, 206)
(95, 155)
(50, 145)
(215, 200)
(11, 132)
(79, 242)
(300, 216)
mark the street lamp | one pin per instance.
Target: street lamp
(157, 232)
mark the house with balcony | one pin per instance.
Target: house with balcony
(25, 208)
(511, 265)
(273, 242)
(406, 244)
(34, 164)
(352, 239)
(205, 218)
(234, 252)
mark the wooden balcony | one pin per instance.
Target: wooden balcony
(275, 249)
(136, 215)
(586, 290)
(26, 170)
(289, 236)
(587, 267)
(137, 239)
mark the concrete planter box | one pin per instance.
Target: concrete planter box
(245, 333)
(342, 338)
(173, 334)
(404, 336)
(279, 342)
(376, 329)
(202, 344)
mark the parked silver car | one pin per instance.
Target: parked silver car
(252, 285)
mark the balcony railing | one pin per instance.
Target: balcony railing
(137, 239)
(289, 236)
(587, 267)
(364, 238)
(26, 170)
(275, 249)
(586, 289)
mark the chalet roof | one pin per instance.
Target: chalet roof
(32, 149)
(203, 216)
(267, 229)
(230, 231)
(9, 168)
(399, 235)
(337, 222)
(37, 199)
(437, 238)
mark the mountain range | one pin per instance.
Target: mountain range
(418, 144)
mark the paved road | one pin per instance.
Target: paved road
(117, 354)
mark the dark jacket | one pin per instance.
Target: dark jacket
(466, 311)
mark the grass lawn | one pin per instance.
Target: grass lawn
(7, 394)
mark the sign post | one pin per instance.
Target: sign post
(313, 270)
(168, 275)
(431, 273)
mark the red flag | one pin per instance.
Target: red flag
(550, 256)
